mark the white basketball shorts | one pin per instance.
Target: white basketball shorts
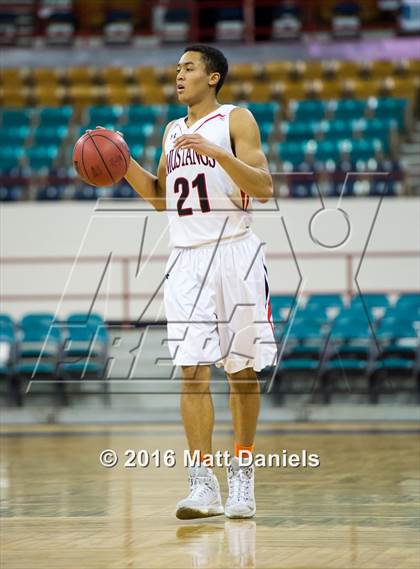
(217, 305)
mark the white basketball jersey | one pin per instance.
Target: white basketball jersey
(201, 199)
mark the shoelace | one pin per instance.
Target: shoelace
(241, 484)
(200, 486)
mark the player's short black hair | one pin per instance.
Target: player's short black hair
(214, 61)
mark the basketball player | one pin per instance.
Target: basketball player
(216, 290)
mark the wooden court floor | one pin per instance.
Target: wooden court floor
(61, 509)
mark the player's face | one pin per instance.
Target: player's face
(192, 80)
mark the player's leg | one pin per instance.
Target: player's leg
(244, 403)
(197, 411)
(197, 408)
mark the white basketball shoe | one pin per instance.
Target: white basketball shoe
(204, 499)
(241, 500)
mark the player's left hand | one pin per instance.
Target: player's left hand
(198, 143)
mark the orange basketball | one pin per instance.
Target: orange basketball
(101, 157)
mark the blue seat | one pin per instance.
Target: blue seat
(336, 129)
(361, 149)
(10, 157)
(92, 125)
(175, 112)
(50, 135)
(324, 150)
(391, 108)
(349, 349)
(35, 319)
(40, 346)
(281, 305)
(55, 116)
(305, 339)
(8, 344)
(327, 301)
(349, 108)
(408, 300)
(136, 133)
(399, 348)
(86, 346)
(266, 130)
(41, 157)
(105, 114)
(299, 130)
(145, 114)
(264, 112)
(312, 110)
(14, 135)
(375, 303)
(293, 152)
(16, 117)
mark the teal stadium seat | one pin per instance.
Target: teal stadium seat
(326, 150)
(40, 157)
(16, 117)
(305, 342)
(372, 302)
(8, 345)
(347, 109)
(105, 114)
(50, 135)
(399, 349)
(361, 149)
(93, 125)
(313, 110)
(143, 114)
(266, 130)
(175, 112)
(40, 345)
(327, 301)
(136, 133)
(349, 344)
(264, 112)
(86, 346)
(337, 129)
(389, 108)
(55, 116)
(10, 157)
(14, 135)
(156, 154)
(281, 305)
(293, 152)
(299, 130)
(408, 299)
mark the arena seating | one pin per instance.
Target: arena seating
(40, 348)
(310, 118)
(369, 338)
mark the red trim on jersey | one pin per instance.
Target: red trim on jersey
(242, 199)
(207, 120)
(245, 200)
(269, 314)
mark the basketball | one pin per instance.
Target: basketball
(101, 157)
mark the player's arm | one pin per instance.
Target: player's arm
(248, 168)
(149, 187)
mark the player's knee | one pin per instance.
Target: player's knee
(195, 378)
(244, 381)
